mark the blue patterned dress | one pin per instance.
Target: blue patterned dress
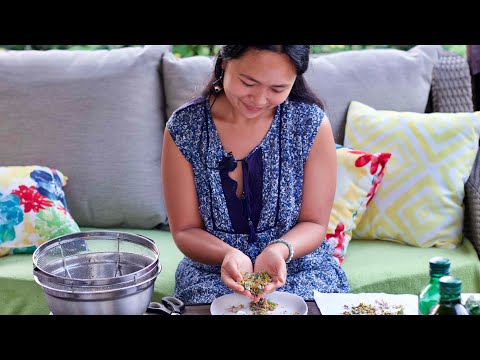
(277, 166)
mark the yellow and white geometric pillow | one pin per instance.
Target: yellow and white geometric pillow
(420, 203)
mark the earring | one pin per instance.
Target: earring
(218, 84)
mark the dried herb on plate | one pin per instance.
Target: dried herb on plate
(380, 307)
(262, 306)
(235, 309)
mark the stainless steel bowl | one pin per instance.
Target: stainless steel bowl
(124, 300)
(97, 273)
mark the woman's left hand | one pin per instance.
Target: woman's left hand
(273, 263)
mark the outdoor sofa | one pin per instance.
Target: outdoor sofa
(99, 117)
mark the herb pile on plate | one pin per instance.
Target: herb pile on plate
(380, 307)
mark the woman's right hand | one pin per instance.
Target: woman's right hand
(234, 264)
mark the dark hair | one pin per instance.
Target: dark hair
(299, 54)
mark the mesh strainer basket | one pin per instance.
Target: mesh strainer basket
(96, 258)
(95, 271)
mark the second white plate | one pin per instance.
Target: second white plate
(288, 304)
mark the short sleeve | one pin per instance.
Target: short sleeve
(312, 118)
(183, 127)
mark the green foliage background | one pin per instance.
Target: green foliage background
(192, 50)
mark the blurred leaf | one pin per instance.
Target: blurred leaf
(459, 49)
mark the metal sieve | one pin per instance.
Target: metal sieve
(74, 290)
(94, 258)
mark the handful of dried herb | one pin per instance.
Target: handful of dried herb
(255, 282)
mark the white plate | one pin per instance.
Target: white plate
(334, 303)
(288, 304)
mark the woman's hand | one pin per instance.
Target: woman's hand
(234, 264)
(273, 263)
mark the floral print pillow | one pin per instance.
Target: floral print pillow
(359, 174)
(33, 208)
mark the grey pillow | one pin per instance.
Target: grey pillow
(98, 117)
(385, 79)
(184, 78)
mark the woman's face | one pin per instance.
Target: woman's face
(258, 81)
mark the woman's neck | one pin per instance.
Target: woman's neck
(222, 110)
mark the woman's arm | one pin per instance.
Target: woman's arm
(182, 207)
(319, 186)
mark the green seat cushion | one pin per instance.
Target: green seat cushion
(371, 266)
(385, 266)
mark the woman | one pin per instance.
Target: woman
(249, 175)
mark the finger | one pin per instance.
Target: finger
(277, 282)
(236, 287)
(233, 272)
(272, 286)
(247, 294)
(237, 276)
(269, 288)
(279, 279)
(231, 283)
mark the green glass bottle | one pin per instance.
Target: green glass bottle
(473, 304)
(450, 298)
(430, 295)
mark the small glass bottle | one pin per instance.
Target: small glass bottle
(450, 298)
(473, 304)
(430, 295)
